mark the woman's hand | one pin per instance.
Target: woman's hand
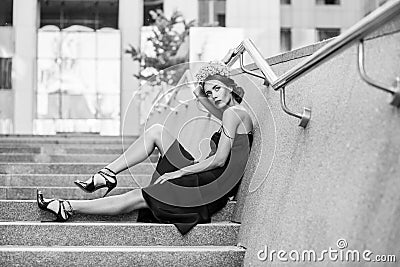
(168, 176)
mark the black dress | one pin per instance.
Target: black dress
(192, 199)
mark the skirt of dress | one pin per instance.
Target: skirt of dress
(184, 218)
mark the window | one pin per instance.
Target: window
(5, 73)
(92, 14)
(78, 67)
(151, 5)
(328, 2)
(6, 11)
(78, 74)
(326, 33)
(286, 39)
(221, 20)
(212, 13)
(285, 2)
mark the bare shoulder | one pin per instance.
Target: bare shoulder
(243, 116)
(241, 111)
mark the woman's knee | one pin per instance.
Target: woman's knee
(162, 137)
(134, 200)
(155, 131)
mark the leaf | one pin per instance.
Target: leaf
(131, 50)
(166, 42)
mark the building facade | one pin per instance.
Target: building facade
(63, 66)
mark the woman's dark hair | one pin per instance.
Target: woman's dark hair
(237, 91)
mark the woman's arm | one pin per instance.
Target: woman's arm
(206, 103)
(204, 165)
(207, 164)
(230, 122)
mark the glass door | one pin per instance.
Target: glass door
(78, 83)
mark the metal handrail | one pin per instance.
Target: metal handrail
(365, 26)
(248, 45)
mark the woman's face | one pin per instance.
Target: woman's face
(217, 92)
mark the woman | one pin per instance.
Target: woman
(169, 198)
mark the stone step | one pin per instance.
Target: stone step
(115, 234)
(65, 180)
(68, 168)
(27, 210)
(69, 158)
(29, 193)
(65, 135)
(93, 150)
(61, 150)
(52, 139)
(90, 150)
(31, 150)
(61, 141)
(123, 256)
(67, 145)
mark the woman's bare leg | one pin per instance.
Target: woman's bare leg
(112, 205)
(138, 151)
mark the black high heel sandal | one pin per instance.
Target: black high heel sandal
(62, 215)
(91, 187)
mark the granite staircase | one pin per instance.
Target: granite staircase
(52, 163)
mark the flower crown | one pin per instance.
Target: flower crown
(212, 68)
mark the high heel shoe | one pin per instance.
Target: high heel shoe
(63, 213)
(91, 187)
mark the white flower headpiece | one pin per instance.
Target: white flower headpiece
(212, 68)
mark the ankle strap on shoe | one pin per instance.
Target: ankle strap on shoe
(112, 172)
(69, 210)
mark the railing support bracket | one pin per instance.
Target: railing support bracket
(304, 118)
(396, 96)
(394, 90)
(247, 71)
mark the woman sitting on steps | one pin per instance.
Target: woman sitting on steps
(182, 191)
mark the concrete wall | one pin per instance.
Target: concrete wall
(339, 177)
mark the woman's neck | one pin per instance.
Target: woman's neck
(231, 103)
